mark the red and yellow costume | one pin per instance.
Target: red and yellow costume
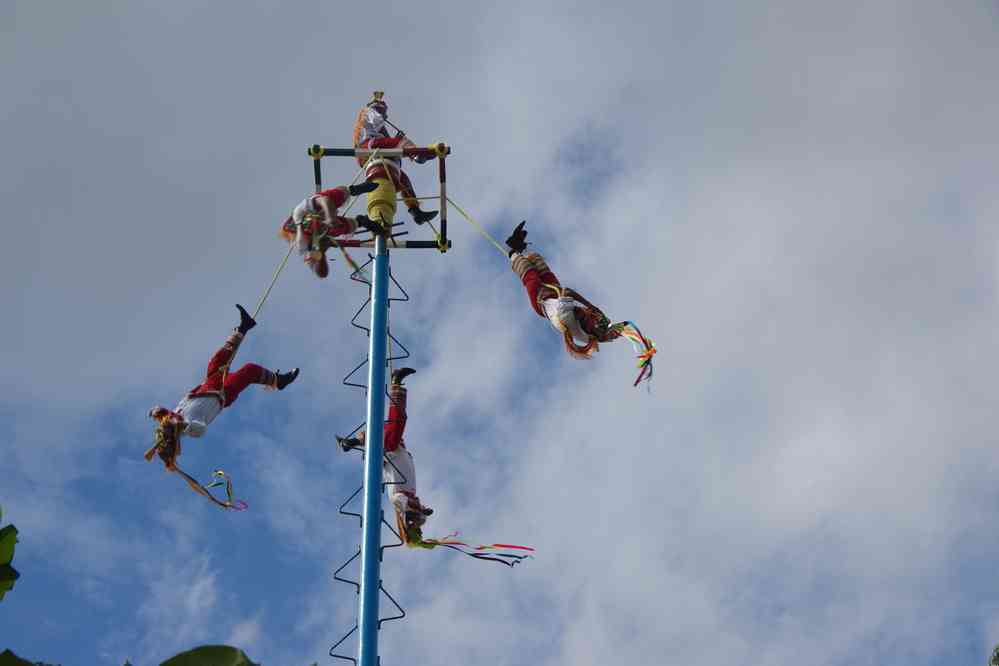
(314, 223)
(370, 132)
(582, 324)
(199, 407)
(398, 470)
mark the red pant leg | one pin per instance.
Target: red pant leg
(405, 187)
(213, 376)
(396, 423)
(235, 382)
(222, 356)
(534, 281)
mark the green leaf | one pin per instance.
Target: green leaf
(8, 658)
(211, 655)
(8, 537)
(8, 575)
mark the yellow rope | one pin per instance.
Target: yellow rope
(273, 281)
(197, 486)
(437, 235)
(256, 312)
(284, 262)
(503, 251)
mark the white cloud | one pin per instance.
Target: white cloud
(245, 634)
(179, 608)
(799, 212)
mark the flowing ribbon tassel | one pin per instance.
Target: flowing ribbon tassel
(645, 349)
(220, 478)
(494, 552)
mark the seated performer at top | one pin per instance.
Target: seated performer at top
(398, 472)
(314, 223)
(371, 131)
(219, 390)
(582, 325)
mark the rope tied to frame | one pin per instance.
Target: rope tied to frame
(479, 227)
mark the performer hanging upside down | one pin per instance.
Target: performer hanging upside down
(398, 472)
(314, 223)
(219, 390)
(371, 131)
(582, 325)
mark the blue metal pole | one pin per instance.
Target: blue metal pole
(371, 541)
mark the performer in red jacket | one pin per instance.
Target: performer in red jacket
(582, 325)
(219, 390)
(398, 471)
(314, 223)
(371, 131)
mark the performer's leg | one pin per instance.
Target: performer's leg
(222, 356)
(405, 187)
(395, 426)
(406, 190)
(381, 202)
(535, 276)
(251, 373)
(213, 376)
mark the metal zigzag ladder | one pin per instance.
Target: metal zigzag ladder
(348, 380)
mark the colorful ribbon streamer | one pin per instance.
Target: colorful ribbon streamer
(644, 348)
(495, 552)
(220, 478)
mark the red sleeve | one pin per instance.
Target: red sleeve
(337, 196)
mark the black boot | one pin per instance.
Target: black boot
(348, 443)
(401, 374)
(246, 322)
(362, 188)
(422, 216)
(517, 242)
(369, 224)
(285, 378)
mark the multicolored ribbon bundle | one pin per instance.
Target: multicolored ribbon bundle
(166, 417)
(644, 348)
(220, 478)
(494, 552)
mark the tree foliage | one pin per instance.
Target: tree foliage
(8, 574)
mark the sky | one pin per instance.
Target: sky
(795, 200)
